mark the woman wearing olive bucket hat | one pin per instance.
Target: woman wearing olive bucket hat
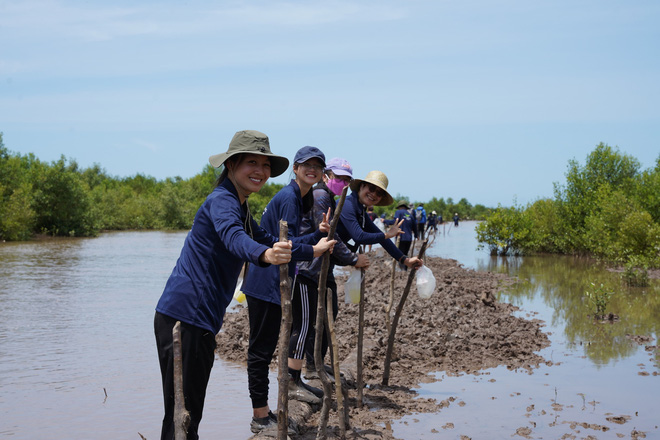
(355, 223)
(202, 283)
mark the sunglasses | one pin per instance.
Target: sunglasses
(375, 190)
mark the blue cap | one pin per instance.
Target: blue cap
(307, 153)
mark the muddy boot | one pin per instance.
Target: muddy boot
(311, 373)
(299, 390)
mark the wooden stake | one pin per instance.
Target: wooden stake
(390, 302)
(360, 341)
(283, 344)
(397, 315)
(181, 414)
(341, 414)
(320, 317)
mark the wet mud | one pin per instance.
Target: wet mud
(461, 328)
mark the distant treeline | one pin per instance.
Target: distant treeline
(62, 199)
(608, 208)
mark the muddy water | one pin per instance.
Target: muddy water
(77, 345)
(601, 384)
(78, 355)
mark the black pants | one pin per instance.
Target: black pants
(304, 304)
(197, 352)
(404, 247)
(265, 320)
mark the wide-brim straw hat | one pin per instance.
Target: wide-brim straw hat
(252, 142)
(379, 179)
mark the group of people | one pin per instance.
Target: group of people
(224, 238)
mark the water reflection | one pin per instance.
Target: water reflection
(560, 283)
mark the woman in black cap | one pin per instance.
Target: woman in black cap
(262, 285)
(222, 238)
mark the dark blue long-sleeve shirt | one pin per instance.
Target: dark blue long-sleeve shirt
(264, 282)
(408, 225)
(355, 224)
(204, 279)
(341, 255)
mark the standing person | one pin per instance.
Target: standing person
(262, 285)
(338, 174)
(202, 283)
(431, 222)
(355, 225)
(420, 217)
(456, 219)
(405, 239)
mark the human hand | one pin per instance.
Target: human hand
(362, 261)
(280, 253)
(414, 262)
(324, 226)
(323, 245)
(395, 229)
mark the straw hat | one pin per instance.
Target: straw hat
(379, 179)
(252, 142)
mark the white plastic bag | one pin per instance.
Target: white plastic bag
(425, 282)
(352, 287)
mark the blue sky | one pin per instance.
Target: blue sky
(486, 100)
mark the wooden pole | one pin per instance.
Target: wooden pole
(320, 317)
(341, 414)
(181, 414)
(360, 341)
(283, 344)
(390, 302)
(395, 322)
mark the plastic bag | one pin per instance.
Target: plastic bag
(425, 282)
(352, 288)
(238, 294)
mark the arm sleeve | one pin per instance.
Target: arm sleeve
(350, 221)
(341, 255)
(226, 217)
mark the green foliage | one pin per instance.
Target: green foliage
(62, 201)
(636, 273)
(599, 297)
(607, 208)
(506, 232)
(59, 198)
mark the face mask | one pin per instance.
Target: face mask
(336, 186)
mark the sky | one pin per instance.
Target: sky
(486, 100)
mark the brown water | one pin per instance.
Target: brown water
(79, 359)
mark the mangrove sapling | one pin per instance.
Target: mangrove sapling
(321, 311)
(397, 315)
(283, 344)
(599, 298)
(181, 414)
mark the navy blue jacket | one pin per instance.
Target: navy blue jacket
(355, 224)
(204, 279)
(408, 226)
(341, 255)
(287, 204)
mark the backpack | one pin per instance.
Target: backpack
(418, 215)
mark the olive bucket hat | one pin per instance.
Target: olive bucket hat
(403, 203)
(379, 179)
(252, 142)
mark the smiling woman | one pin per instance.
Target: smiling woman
(197, 293)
